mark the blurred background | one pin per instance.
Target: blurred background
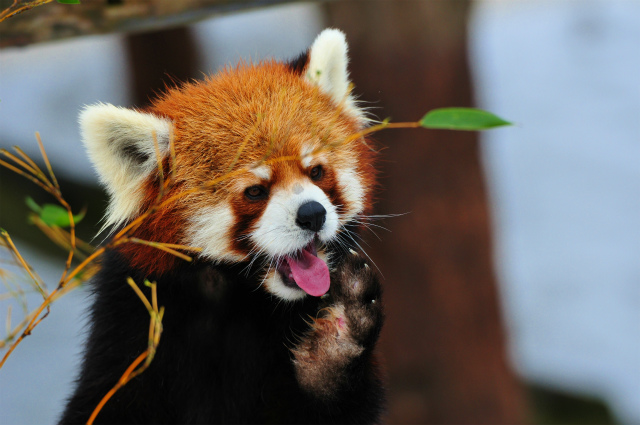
(513, 280)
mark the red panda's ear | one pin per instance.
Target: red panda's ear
(120, 143)
(299, 64)
(327, 67)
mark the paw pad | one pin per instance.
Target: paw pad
(341, 323)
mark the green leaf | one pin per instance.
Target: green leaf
(69, 1)
(461, 119)
(33, 205)
(54, 215)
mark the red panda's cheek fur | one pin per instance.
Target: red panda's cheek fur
(247, 213)
(329, 185)
(367, 172)
(349, 179)
(164, 225)
(212, 119)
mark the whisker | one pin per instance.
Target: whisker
(348, 233)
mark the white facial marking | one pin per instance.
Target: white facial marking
(262, 172)
(306, 156)
(306, 160)
(352, 192)
(209, 229)
(277, 233)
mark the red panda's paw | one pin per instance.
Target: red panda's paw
(344, 332)
(356, 289)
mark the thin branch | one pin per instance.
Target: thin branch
(8, 13)
(46, 161)
(155, 330)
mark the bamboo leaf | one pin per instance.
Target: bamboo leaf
(33, 205)
(469, 119)
(53, 215)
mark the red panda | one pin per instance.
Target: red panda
(277, 317)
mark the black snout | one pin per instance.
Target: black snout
(311, 216)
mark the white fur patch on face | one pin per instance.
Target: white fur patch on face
(328, 69)
(306, 157)
(277, 234)
(120, 143)
(262, 172)
(352, 192)
(210, 229)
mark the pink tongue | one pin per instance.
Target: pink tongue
(310, 273)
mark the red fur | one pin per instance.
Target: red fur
(272, 111)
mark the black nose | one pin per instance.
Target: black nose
(311, 216)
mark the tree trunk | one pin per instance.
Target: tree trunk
(443, 341)
(159, 59)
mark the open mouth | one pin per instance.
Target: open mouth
(305, 270)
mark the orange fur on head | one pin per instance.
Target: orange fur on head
(241, 118)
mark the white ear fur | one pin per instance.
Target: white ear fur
(328, 69)
(120, 143)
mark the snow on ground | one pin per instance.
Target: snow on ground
(565, 184)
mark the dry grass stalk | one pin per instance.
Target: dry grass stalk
(155, 330)
(18, 7)
(71, 279)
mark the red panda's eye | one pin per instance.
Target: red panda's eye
(256, 193)
(316, 172)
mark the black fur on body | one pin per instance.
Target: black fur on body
(230, 352)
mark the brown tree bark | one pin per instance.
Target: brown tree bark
(47, 20)
(159, 59)
(443, 342)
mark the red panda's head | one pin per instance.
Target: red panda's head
(282, 129)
